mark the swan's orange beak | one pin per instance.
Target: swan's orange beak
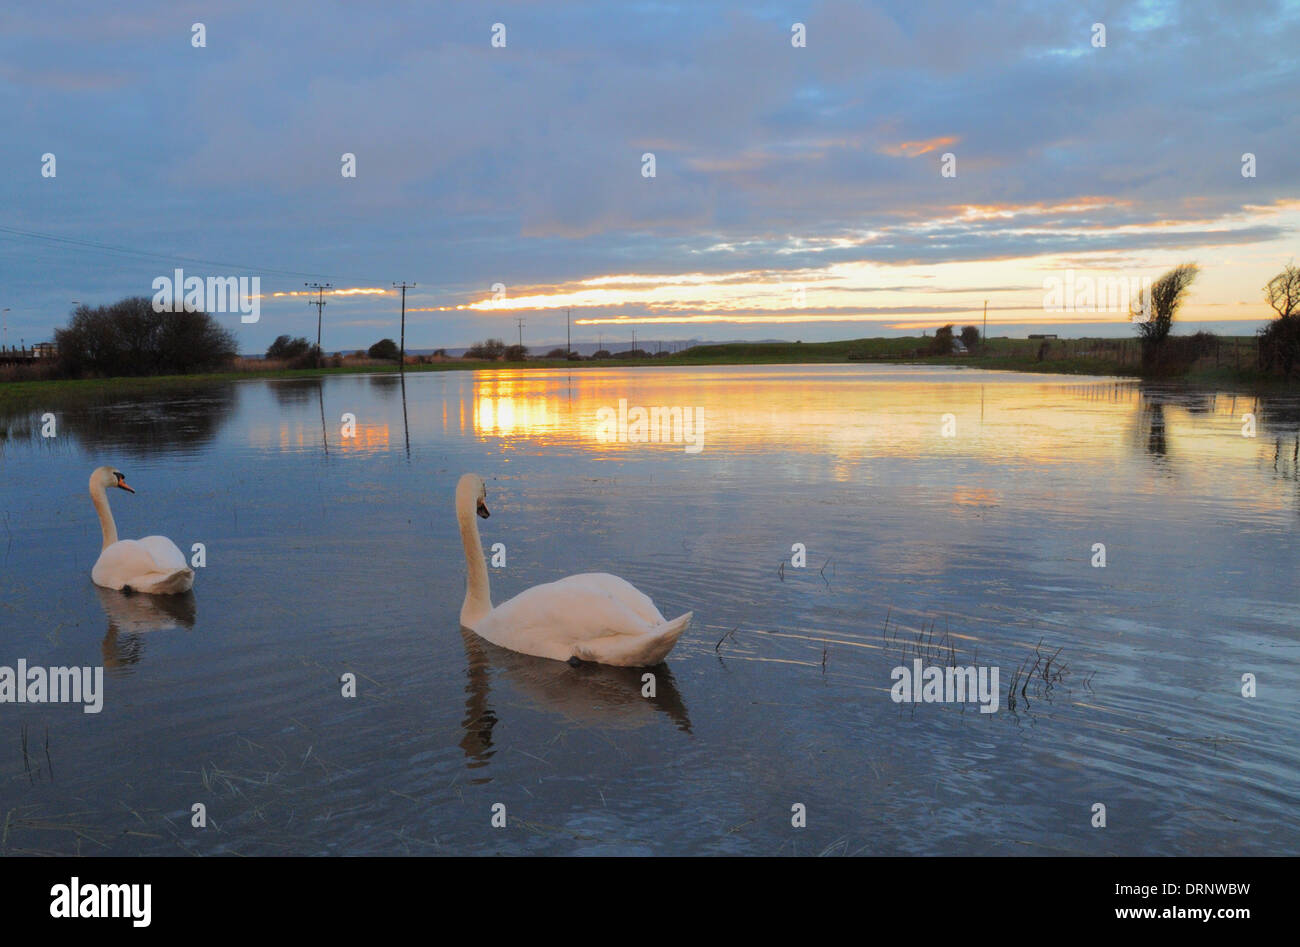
(483, 510)
(122, 484)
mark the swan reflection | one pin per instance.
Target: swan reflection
(132, 616)
(590, 695)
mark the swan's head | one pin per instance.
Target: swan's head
(105, 477)
(472, 491)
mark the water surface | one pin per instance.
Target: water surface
(329, 555)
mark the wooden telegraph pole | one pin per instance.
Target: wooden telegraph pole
(319, 303)
(401, 352)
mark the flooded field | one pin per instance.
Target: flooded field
(825, 524)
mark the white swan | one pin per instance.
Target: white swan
(590, 617)
(153, 565)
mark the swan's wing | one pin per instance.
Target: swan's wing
(619, 590)
(551, 620)
(122, 563)
(165, 553)
(133, 562)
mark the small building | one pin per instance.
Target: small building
(44, 350)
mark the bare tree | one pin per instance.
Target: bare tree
(1279, 341)
(1283, 292)
(1158, 305)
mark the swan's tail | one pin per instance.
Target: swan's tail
(167, 583)
(636, 650)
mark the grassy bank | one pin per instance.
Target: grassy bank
(1230, 366)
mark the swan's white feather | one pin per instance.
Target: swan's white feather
(165, 552)
(594, 616)
(152, 565)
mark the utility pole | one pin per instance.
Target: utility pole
(319, 303)
(401, 352)
(521, 332)
(634, 340)
(568, 335)
(6, 325)
(985, 334)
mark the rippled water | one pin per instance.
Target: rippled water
(329, 555)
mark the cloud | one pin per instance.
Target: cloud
(523, 165)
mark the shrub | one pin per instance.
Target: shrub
(1279, 346)
(941, 344)
(384, 348)
(130, 338)
(491, 349)
(970, 337)
(288, 348)
(516, 353)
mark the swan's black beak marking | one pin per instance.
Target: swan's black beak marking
(483, 510)
(121, 482)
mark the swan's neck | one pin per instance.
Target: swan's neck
(478, 596)
(105, 516)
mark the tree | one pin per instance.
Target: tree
(600, 353)
(130, 338)
(970, 337)
(516, 353)
(492, 349)
(288, 348)
(1283, 292)
(1279, 341)
(557, 353)
(384, 348)
(1159, 305)
(941, 344)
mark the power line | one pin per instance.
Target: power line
(111, 248)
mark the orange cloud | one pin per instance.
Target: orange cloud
(912, 149)
(354, 291)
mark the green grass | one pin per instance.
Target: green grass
(1064, 356)
(20, 392)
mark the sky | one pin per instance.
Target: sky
(904, 164)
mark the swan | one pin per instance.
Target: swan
(591, 617)
(153, 565)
